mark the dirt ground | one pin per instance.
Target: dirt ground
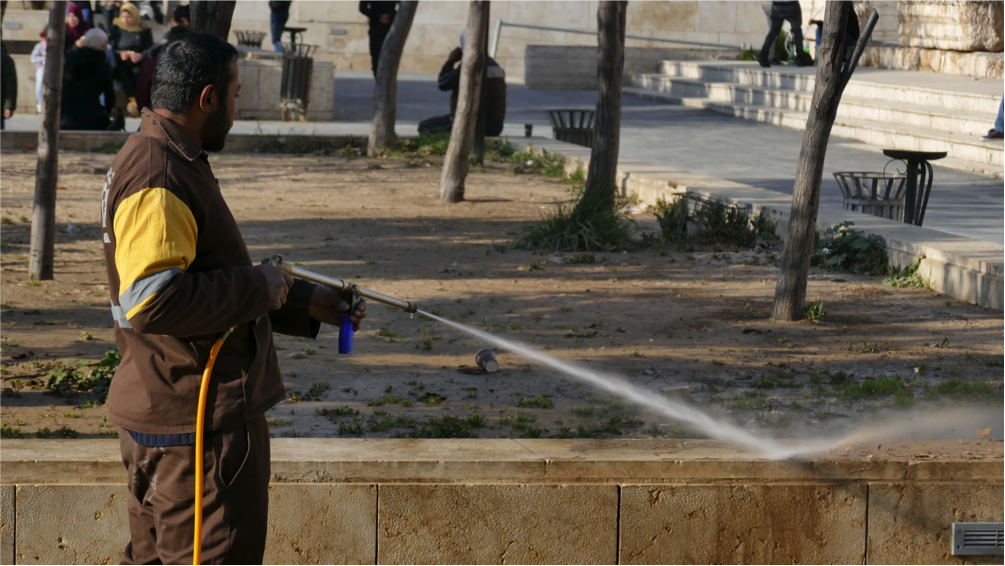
(692, 323)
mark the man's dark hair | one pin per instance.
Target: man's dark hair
(187, 65)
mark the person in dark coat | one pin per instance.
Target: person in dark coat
(8, 84)
(278, 16)
(129, 38)
(785, 11)
(381, 16)
(450, 79)
(86, 76)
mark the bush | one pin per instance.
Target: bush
(854, 251)
(673, 219)
(581, 227)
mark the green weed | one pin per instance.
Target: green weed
(540, 402)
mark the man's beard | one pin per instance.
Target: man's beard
(215, 130)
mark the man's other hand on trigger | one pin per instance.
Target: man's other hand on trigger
(328, 307)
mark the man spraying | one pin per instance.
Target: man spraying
(180, 275)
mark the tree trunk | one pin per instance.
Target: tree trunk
(213, 16)
(831, 78)
(478, 146)
(601, 179)
(455, 165)
(43, 220)
(3, 9)
(385, 91)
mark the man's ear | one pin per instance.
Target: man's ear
(208, 99)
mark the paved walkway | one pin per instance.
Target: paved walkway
(707, 142)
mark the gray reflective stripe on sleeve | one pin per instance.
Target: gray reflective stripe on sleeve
(140, 290)
(119, 315)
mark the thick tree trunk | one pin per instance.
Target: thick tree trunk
(455, 166)
(478, 145)
(43, 220)
(385, 91)
(832, 75)
(213, 16)
(601, 179)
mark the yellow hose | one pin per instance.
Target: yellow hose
(200, 428)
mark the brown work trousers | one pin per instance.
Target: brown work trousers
(235, 498)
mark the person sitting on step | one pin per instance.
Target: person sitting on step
(998, 132)
(782, 11)
(450, 79)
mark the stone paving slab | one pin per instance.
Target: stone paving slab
(492, 524)
(322, 524)
(7, 524)
(743, 524)
(71, 524)
(912, 523)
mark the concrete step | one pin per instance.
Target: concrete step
(925, 117)
(968, 153)
(859, 87)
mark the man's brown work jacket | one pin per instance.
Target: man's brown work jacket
(180, 275)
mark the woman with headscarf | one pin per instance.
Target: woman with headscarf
(129, 39)
(86, 76)
(76, 25)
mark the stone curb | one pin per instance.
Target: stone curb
(962, 268)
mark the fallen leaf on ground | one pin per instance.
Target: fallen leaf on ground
(983, 432)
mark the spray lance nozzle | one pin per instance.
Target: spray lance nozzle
(350, 293)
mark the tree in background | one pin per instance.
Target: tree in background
(601, 182)
(455, 164)
(213, 16)
(43, 220)
(385, 91)
(834, 70)
(597, 221)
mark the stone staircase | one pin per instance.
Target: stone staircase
(878, 107)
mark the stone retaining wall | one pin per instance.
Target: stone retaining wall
(539, 501)
(556, 67)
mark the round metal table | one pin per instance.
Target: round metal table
(917, 164)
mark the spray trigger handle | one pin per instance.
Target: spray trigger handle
(346, 329)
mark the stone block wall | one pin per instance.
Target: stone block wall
(260, 88)
(953, 25)
(552, 67)
(537, 501)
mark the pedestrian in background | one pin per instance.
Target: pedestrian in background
(8, 85)
(38, 59)
(129, 38)
(280, 14)
(380, 16)
(76, 26)
(996, 133)
(785, 11)
(86, 77)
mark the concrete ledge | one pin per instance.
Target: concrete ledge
(963, 268)
(111, 141)
(537, 501)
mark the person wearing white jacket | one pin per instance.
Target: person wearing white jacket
(38, 59)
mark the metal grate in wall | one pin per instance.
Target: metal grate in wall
(978, 539)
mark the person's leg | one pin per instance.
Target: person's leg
(766, 6)
(376, 44)
(769, 40)
(998, 121)
(277, 21)
(141, 466)
(436, 124)
(39, 76)
(235, 498)
(794, 15)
